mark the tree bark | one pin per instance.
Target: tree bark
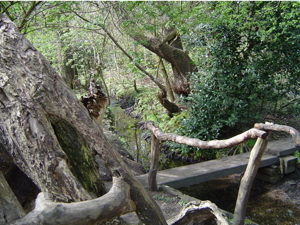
(95, 102)
(10, 208)
(50, 135)
(202, 213)
(170, 106)
(181, 63)
(68, 72)
(169, 90)
(100, 72)
(99, 64)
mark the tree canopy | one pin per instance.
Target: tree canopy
(229, 63)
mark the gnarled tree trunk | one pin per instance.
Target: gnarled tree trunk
(49, 135)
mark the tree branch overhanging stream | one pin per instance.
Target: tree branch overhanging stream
(102, 26)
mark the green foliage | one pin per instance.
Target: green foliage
(78, 154)
(246, 221)
(182, 202)
(242, 148)
(248, 57)
(171, 124)
(297, 155)
(164, 198)
(149, 107)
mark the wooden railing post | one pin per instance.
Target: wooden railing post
(247, 180)
(154, 163)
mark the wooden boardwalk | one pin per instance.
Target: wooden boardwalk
(209, 170)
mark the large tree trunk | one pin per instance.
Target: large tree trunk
(49, 135)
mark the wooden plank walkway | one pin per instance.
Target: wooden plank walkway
(209, 170)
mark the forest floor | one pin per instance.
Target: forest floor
(285, 192)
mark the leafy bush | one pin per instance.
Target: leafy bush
(248, 59)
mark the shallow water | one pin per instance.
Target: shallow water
(263, 208)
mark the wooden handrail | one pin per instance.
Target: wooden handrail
(247, 181)
(260, 131)
(249, 134)
(283, 128)
(153, 163)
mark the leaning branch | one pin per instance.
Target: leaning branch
(275, 127)
(116, 202)
(252, 133)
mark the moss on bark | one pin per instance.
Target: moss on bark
(79, 155)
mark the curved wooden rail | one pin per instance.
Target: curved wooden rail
(283, 128)
(249, 134)
(260, 131)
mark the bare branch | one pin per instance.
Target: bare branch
(5, 9)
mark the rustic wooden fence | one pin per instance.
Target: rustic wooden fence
(260, 131)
